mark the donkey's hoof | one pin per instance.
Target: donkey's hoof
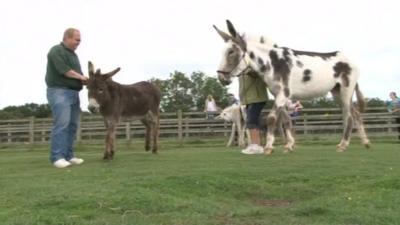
(288, 148)
(286, 151)
(108, 157)
(268, 151)
(367, 144)
(340, 149)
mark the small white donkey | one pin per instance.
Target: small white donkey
(237, 115)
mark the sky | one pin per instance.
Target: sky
(154, 38)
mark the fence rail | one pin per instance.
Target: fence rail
(182, 125)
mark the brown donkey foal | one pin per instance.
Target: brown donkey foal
(113, 100)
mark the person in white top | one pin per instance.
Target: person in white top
(210, 107)
(294, 108)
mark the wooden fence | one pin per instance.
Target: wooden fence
(182, 125)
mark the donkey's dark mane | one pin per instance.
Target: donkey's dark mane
(324, 55)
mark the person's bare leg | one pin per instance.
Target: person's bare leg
(255, 136)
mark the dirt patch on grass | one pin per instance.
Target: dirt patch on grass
(272, 202)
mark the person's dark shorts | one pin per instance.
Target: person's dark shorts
(253, 112)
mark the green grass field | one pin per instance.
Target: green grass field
(203, 183)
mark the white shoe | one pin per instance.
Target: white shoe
(253, 149)
(76, 161)
(61, 163)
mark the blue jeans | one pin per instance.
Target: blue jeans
(64, 105)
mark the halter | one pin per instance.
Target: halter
(244, 71)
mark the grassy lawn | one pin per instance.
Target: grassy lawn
(203, 183)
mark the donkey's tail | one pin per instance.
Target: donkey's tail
(360, 99)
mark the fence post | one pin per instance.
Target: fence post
(225, 128)
(180, 135)
(31, 129)
(79, 130)
(390, 119)
(186, 127)
(128, 130)
(305, 123)
(9, 135)
(43, 133)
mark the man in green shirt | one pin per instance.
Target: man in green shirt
(253, 93)
(64, 80)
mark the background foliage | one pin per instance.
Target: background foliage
(180, 92)
(188, 93)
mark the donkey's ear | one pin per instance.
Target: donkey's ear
(231, 29)
(224, 35)
(112, 73)
(90, 68)
(240, 42)
(236, 38)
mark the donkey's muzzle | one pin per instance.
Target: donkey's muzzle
(224, 78)
(93, 109)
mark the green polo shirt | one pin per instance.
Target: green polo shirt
(252, 89)
(59, 61)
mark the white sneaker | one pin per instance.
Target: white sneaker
(253, 149)
(61, 163)
(76, 161)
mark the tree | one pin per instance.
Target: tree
(211, 86)
(162, 85)
(322, 102)
(180, 92)
(177, 93)
(27, 110)
(375, 102)
(198, 81)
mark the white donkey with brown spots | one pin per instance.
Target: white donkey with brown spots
(294, 74)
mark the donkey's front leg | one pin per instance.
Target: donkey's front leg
(272, 119)
(232, 137)
(241, 132)
(271, 124)
(156, 133)
(109, 151)
(287, 123)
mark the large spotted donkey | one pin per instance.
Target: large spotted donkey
(294, 74)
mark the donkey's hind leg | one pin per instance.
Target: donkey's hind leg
(345, 97)
(147, 136)
(156, 132)
(360, 127)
